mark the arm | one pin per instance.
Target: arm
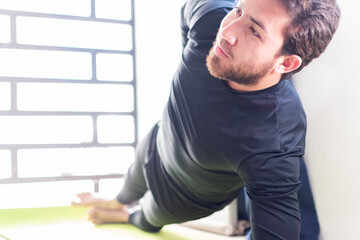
(272, 184)
(309, 220)
(197, 24)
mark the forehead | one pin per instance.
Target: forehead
(270, 13)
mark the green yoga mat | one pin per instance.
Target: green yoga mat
(69, 223)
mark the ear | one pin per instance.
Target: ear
(288, 64)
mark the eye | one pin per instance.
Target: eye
(238, 11)
(254, 32)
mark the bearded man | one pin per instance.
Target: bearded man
(232, 119)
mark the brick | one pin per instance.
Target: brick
(74, 33)
(45, 64)
(45, 129)
(79, 97)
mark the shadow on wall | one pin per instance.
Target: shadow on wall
(328, 88)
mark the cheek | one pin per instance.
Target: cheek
(251, 58)
(260, 53)
(246, 52)
(276, 45)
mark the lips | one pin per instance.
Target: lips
(219, 51)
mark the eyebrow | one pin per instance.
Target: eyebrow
(257, 22)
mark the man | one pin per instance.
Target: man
(232, 122)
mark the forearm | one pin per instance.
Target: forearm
(275, 218)
(273, 203)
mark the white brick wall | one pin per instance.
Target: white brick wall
(67, 89)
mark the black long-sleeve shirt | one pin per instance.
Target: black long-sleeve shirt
(213, 140)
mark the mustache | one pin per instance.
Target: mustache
(224, 46)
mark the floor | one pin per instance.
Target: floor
(70, 223)
(196, 234)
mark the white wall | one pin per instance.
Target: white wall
(329, 88)
(158, 49)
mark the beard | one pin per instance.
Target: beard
(243, 74)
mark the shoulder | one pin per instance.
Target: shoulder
(291, 116)
(195, 10)
(288, 97)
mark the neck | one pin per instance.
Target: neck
(263, 83)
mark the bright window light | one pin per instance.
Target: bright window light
(74, 161)
(5, 29)
(64, 7)
(110, 187)
(5, 96)
(5, 164)
(45, 129)
(113, 9)
(78, 97)
(73, 33)
(45, 194)
(45, 64)
(67, 104)
(115, 129)
(108, 69)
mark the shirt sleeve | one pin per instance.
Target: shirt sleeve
(200, 20)
(272, 184)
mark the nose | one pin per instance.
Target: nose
(228, 33)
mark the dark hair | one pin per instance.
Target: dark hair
(313, 25)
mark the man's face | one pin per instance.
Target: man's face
(248, 41)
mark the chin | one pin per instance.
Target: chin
(213, 64)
